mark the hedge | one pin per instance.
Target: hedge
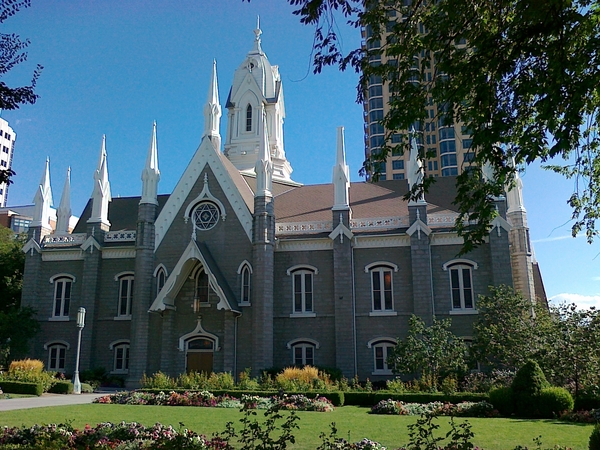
(586, 402)
(61, 387)
(21, 387)
(372, 398)
(337, 398)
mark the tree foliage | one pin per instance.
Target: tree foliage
(523, 76)
(12, 53)
(430, 351)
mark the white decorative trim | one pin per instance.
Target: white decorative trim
(118, 253)
(125, 273)
(120, 236)
(392, 240)
(241, 266)
(341, 231)
(302, 315)
(64, 255)
(378, 223)
(124, 318)
(113, 344)
(90, 243)
(302, 266)
(57, 342)
(205, 155)
(62, 275)
(463, 312)
(63, 240)
(418, 226)
(304, 245)
(383, 313)
(199, 331)
(58, 319)
(387, 264)
(293, 342)
(160, 266)
(446, 239)
(205, 195)
(500, 223)
(32, 246)
(382, 339)
(303, 227)
(441, 220)
(453, 262)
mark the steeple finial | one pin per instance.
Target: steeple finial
(151, 174)
(63, 214)
(264, 164)
(257, 33)
(341, 174)
(101, 193)
(43, 200)
(212, 111)
(415, 167)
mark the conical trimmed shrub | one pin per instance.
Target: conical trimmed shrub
(527, 387)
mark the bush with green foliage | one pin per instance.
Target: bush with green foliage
(555, 401)
(21, 387)
(503, 401)
(527, 387)
(595, 438)
(62, 387)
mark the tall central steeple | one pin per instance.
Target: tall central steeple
(256, 88)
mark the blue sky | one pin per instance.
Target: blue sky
(114, 67)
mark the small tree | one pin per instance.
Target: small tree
(429, 351)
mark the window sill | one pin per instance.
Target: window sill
(244, 304)
(382, 372)
(304, 314)
(463, 312)
(59, 319)
(119, 372)
(123, 317)
(383, 313)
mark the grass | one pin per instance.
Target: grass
(352, 422)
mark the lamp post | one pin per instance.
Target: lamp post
(80, 325)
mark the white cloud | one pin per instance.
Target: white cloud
(582, 301)
(557, 238)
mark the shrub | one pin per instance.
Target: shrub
(555, 401)
(26, 365)
(395, 385)
(595, 438)
(502, 399)
(62, 387)
(527, 387)
(449, 385)
(29, 372)
(389, 407)
(158, 381)
(86, 388)
(21, 387)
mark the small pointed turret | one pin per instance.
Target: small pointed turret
(101, 194)
(341, 175)
(151, 174)
(257, 33)
(264, 164)
(212, 111)
(63, 214)
(415, 167)
(514, 196)
(43, 201)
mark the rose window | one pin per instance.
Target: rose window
(206, 216)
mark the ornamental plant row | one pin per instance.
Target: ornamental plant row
(464, 409)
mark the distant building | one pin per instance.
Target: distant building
(7, 147)
(19, 218)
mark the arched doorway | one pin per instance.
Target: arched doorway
(199, 353)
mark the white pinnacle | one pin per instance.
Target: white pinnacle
(212, 111)
(63, 214)
(341, 174)
(151, 174)
(415, 167)
(43, 200)
(101, 193)
(264, 164)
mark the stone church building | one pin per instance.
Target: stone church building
(241, 267)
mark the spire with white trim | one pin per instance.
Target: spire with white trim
(341, 175)
(101, 194)
(264, 164)
(43, 200)
(212, 111)
(415, 167)
(63, 214)
(151, 174)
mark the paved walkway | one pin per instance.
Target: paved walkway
(47, 400)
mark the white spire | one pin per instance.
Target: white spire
(212, 111)
(264, 165)
(257, 33)
(415, 167)
(101, 194)
(341, 174)
(514, 196)
(43, 200)
(151, 174)
(63, 214)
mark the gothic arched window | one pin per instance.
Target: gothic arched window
(249, 118)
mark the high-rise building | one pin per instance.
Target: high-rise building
(446, 144)
(7, 146)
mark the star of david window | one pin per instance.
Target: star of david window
(205, 216)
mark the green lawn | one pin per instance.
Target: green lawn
(389, 430)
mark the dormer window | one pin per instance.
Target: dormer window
(249, 118)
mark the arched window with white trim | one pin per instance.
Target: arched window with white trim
(382, 350)
(303, 351)
(249, 117)
(63, 285)
(382, 286)
(302, 289)
(202, 289)
(57, 355)
(120, 351)
(245, 284)
(460, 273)
(161, 278)
(125, 300)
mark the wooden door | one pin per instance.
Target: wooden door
(200, 362)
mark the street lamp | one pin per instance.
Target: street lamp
(80, 325)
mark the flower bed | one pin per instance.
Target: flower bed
(207, 399)
(592, 416)
(107, 435)
(464, 409)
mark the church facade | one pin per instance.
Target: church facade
(241, 267)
